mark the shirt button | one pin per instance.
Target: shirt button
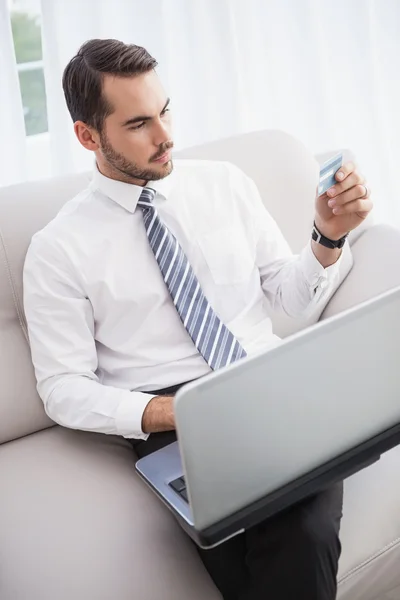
(315, 280)
(323, 284)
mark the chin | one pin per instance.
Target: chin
(169, 166)
(164, 170)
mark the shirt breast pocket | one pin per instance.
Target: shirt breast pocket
(228, 255)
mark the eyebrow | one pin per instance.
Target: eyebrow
(139, 118)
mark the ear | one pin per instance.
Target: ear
(86, 136)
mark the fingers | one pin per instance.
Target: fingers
(345, 170)
(354, 193)
(367, 191)
(355, 206)
(351, 180)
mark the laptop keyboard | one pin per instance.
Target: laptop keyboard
(179, 486)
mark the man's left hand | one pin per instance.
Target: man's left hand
(345, 205)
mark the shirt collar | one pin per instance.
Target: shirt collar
(128, 194)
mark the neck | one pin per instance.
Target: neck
(113, 173)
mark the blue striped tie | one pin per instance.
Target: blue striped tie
(211, 337)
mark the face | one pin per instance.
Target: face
(135, 142)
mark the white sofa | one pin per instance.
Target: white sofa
(75, 521)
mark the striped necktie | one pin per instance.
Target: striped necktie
(211, 337)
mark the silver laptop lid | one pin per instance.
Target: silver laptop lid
(250, 428)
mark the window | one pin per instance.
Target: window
(26, 28)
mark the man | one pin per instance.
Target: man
(152, 277)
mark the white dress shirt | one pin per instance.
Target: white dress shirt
(102, 326)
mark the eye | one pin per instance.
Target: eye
(164, 112)
(136, 127)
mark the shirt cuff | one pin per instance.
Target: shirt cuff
(128, 420)
(315, 274)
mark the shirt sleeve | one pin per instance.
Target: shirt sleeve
(61, 333)
(296, 284)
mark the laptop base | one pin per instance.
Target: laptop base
(328, 474)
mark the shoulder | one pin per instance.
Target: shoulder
(52, 240)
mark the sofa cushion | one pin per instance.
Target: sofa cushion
(77, 523)
(71, 503)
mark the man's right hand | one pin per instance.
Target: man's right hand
(159, 415)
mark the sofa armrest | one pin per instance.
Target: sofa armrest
(376, 269)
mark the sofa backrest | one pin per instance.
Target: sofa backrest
(285, 172)
(24, 209)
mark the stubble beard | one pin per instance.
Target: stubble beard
(120, 165)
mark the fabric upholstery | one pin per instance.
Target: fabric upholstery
(376, 269)
(24, 209)
(77, 524)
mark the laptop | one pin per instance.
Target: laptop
(271, 429)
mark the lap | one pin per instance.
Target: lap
(309, 514)
(154, 442)
(302, 530)
(307, 529)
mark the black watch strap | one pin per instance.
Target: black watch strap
(321, 239)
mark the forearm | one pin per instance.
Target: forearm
(81, 402)
(325, 256)
(159, 415)
(296, 284)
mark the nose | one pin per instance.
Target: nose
(162, 133)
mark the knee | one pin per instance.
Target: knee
(317, 529)
(315, 522)
(317, 532)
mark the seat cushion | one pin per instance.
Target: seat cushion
(77, 523)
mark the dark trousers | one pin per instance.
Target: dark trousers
(291, 556)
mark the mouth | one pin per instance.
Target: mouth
(164, 158)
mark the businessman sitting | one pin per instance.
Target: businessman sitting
(154, 276)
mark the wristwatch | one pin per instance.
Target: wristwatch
(321, 239)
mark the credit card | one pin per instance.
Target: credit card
(327, 173)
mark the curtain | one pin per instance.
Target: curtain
(12, 130)
(325, 71)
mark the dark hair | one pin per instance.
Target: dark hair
(83, 77)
